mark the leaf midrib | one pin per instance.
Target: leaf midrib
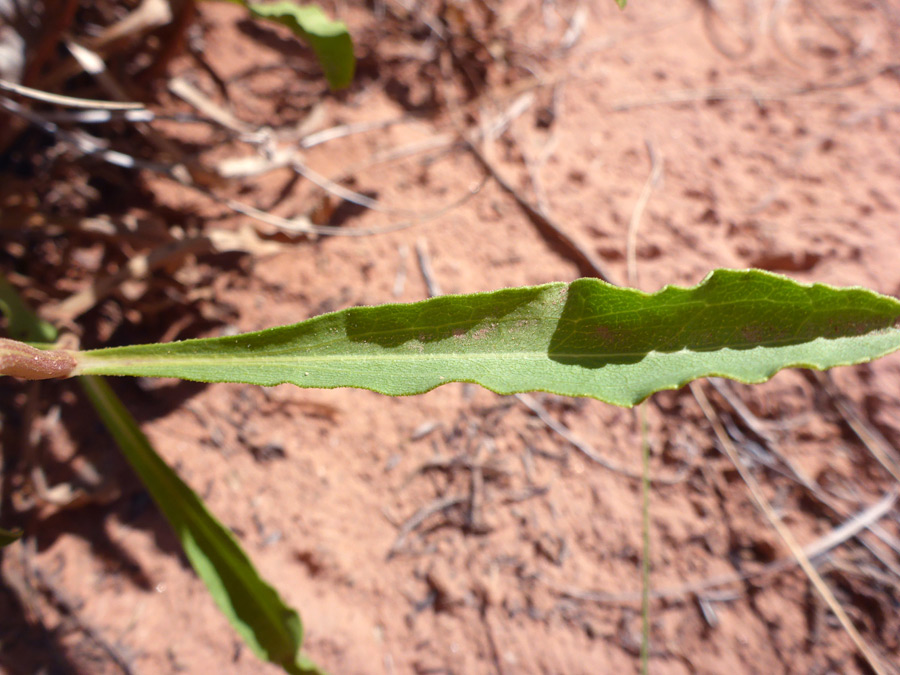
(390, 355)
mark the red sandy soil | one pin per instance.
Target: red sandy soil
(778, 131)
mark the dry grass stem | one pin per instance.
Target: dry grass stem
(784, 533)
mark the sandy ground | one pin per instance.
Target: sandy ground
(775, 133)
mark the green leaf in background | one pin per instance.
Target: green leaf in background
(586, 338)
(271, 628)
(330, 40)
(7, 537)
(22, 324)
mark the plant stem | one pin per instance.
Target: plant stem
(24, 361)
(645, 533)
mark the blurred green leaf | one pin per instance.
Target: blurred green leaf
(271, 628)
(586, 338)
(330, 40)
(8, 537)
(22, 323)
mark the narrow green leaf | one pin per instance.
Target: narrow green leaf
(586, 338)
(330, 40)
(22, 323)
(271, 628)
(8, 537)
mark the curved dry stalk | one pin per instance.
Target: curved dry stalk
(656, 173)
(67, 101)
(303, 225)
(778, 525)
(851, 527)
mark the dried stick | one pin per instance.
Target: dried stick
(67, 101)
(778, 524)
(793, 472)
(848, 529)
(89, 145)
(553, 233)
(582, 447)
(400, 279)
(871, 438)
(710, 13)
(194, 97)
(656, 172)
(137, 268)
(71, 609)
(587, 264)
(434, 288)
(419, 517)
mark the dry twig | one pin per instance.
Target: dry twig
(712, 20)
(756, 425)
(772, 516)
(875, 443)
(434, 288)
(585, 449)
(138, 267)
(71, 610)
(848, 529)
(420, 516)
(400, 278)
(67, 101)
(656, 172)
(587, 264)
